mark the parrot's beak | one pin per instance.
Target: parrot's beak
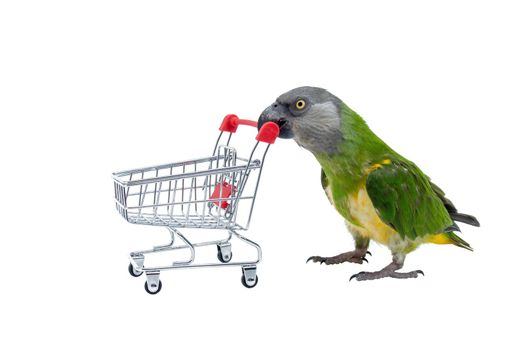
(278, 114)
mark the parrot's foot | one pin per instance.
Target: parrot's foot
(388, 271)
(366, 276)
(356, 256)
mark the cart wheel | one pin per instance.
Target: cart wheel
(252, 284)
(227, 257)
(154, 291)
(133, 271)
(222, 260)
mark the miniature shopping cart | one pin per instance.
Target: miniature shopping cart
(216, 192)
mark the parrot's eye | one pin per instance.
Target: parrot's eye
(300, 104)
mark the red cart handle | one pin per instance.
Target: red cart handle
(268, 132)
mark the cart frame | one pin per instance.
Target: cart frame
(211, 200)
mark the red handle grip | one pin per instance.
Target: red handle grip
(268, 132)
(231, 122)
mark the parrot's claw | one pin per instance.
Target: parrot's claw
(318, 259)
(356, 256)
(354, 276)
(368, 252)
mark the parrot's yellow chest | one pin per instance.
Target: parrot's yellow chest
(361, 216)
(366, 221)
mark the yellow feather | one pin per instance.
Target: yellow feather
(364, 214)
(440, 238)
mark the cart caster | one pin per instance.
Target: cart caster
(133, 271)
(224, 253)
(244, 283)
(249, 277)
(153, 284)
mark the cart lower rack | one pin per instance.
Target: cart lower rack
(213, 193)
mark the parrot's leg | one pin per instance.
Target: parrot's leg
(355, 256)
(388, 271)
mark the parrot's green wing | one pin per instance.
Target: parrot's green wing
(405, 200)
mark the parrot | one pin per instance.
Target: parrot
(381, 195)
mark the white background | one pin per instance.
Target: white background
(88, 88)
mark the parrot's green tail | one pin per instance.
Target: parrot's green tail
(464, 218)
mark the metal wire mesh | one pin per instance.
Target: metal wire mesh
(213, 192)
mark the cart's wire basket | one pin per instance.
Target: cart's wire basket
(216, 192)
(213, 192)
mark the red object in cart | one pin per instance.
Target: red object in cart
(222, 190)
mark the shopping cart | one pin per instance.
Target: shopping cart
(216, 192)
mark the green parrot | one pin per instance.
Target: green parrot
(381, 195)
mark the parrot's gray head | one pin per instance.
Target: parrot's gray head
(309, 115)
